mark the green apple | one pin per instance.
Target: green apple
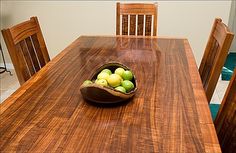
(101, 82)
(103, 75)
(127, 75)
(107, 71)
(119, 71)
(128, 85)
(87, 82)
(114, 80)
(121, 89)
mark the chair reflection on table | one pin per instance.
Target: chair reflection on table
(134, 48)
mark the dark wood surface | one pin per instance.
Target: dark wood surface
(214, 57)
(27, 49)
(146, 15)
(169, 112)
(225, 121)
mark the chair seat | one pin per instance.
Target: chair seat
(226, 74)
(229, 66)
(214, 108)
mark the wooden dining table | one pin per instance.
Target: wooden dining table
(168, 113)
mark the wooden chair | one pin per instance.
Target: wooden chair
(27, 48)
(137, 19)
(225, 122)
(214, 56)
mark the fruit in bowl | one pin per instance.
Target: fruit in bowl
(121, 89)
(128, 85)
(114, 80)
(87, 82)
(119, 71)
(111, 83)
(101, 82)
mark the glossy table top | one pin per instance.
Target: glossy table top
(169, 112)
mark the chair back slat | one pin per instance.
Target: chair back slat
(148, 25)
(225, 122)
(24, 50)
(132, 25)
(125, 25)
(32, 54)
(27, 48)
(38, 50)
(136, 18)
(214, 56)
(21, 65)
(140, 25)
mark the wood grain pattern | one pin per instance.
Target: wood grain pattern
(140, 10)
(49, 114)
(27, 48)
(225, 121)
(214, 56)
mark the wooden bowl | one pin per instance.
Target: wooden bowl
(106, 95)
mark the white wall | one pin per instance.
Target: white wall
(63, 21)
(232, 24)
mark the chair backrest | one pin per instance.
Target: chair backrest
(214, 56)
(225, 122)
(27, 48)
(136, 19)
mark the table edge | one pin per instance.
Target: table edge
(196, 82)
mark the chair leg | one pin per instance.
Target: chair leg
(4, 63)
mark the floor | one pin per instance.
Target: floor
(219, 91)
(8, 84)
